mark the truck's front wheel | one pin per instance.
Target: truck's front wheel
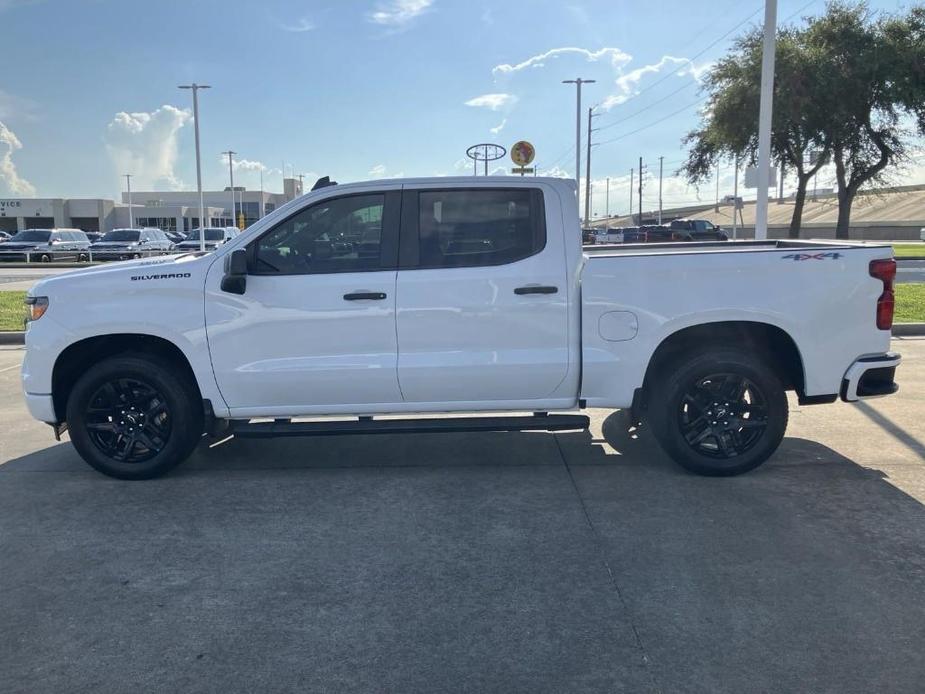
(134, 417)
(720, 412)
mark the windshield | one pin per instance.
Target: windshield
(121, 235)
(34, 235)
(211, 235)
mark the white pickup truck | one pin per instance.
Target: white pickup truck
(453, 295)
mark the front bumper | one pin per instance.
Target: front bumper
(41, 407)
(871, 377)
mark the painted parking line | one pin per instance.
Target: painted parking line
(10, 368)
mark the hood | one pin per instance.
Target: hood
(118, 271)
(19, 245)
(113, 244)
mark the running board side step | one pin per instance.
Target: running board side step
(537, 422)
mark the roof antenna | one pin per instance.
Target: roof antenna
(323, 182)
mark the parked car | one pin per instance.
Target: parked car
(588, 236)
(608, 235)
(123, 244)
(697, 230)
(138, 360)
(175, 237)
(214, 237)
(4, 236)
(45, 245)
(94, 236)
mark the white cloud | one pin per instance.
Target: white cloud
(498, 128)
(628, 83)
(301, 25)
(145, 144)
(380, 171)
(493, 101)
(398, 13)
(248, 165)
(13, 183)
(617, 59)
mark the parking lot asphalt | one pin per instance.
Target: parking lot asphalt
(472, 562)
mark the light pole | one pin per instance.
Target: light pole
(661, 161)
(764, 118)
(607, 205)
(131, 213)
(230, 154)
(578, 82)
(202, 208)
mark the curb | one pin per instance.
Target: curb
(908, 329)
(12, 338)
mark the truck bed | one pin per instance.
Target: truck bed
(619, 249)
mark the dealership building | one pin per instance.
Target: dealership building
(167, 210)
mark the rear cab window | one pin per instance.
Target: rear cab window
(473, 227)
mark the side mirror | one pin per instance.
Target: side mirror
(235, 279)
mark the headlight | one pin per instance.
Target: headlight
(37, 305)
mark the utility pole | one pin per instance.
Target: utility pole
(661, 161)
(300, 177)
(607, 204)
(716, 204)
(631, 196)
(735, 199)
(262, 209)
(780, 192)
(234, 217)
(202, 208)
(764, 117)
(588, 170)
(578, 82)
(131, 212)
(640, 191)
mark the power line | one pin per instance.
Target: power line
(690, 61)
(655, 122)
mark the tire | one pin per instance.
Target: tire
(136, 256)
(45, 258)
(167, 416)
(718, 413)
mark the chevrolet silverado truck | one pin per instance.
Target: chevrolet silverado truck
(453, 295)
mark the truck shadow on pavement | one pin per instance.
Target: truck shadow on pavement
(803, 575)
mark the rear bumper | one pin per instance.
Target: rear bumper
(871, 377)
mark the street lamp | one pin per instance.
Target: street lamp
(764, 118)
(234, 216)
(202, 208)
(578, 82)
(131, 214)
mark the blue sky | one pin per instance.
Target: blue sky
(355, 89)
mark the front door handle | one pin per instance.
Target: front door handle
(370, 296)
(536, 289)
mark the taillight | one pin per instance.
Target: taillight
(885, 271)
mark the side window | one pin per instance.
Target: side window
(335, 235)
(465, 228)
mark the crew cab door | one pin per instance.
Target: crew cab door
(483, 296)
(315, 327)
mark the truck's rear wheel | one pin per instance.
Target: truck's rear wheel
(722, 412)
(133, 417)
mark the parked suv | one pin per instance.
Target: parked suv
(697, 230)
(46, 245)
(214, 236)
(122, 244)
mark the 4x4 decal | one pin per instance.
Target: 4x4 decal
(829, 255)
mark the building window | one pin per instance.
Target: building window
(162, 223)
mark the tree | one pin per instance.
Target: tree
(730, 127)
(848, 83)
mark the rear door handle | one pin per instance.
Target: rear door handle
(536, 289)
(370, 296)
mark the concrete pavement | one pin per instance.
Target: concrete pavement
(477, 562)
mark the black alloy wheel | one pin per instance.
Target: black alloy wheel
(723, 415)
(128, 420)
